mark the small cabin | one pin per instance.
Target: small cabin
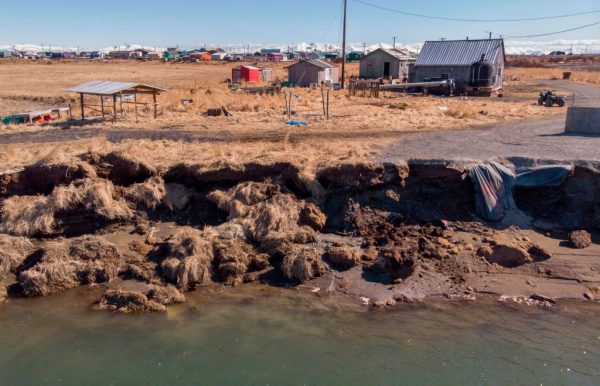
(306, 73)
(245, 74)
(473, 64)
(387, 63)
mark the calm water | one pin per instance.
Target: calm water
(281, 338)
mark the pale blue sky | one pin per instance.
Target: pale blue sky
(94, 23)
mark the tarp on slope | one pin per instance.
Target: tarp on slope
(493, 184)
(544, 176)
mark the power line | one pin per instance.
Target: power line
(336, 15)
(552, 33)
(368, 4)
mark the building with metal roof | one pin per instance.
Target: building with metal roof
(122, 92)
(313, 72)
(455, 59)
(387, 63)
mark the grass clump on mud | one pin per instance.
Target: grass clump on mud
(187, 226)
(64, 264)
(45, 215)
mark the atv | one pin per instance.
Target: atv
(549, 99)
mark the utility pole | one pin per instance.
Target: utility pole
(395, 37)
(344, 44)
(364, 48)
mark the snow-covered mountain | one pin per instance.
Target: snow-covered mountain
(522, 47)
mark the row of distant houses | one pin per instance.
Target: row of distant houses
(176, 54)
(469, 63)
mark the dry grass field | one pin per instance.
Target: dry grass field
(534, 73)
(257, 130)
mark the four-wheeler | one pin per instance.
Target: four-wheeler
(549, 99)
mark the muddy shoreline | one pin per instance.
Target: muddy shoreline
(379, 233)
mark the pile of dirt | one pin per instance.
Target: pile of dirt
(46, 174)
(362, 175)
(65, 264)
(512, 254)
(128, 302)
(580, 239)
(165, 295)
(122, 168)
(280, 223)
(401, 247)
(342, 256)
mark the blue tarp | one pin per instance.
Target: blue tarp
(493, 184)
(544, 176)
(297, 123)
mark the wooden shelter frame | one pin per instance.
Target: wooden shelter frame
(116, 97)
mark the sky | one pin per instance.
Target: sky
(187, 23)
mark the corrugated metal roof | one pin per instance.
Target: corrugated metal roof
(104, 87)
(398, 53)
(458, 52)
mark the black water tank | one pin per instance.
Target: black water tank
(482, 73)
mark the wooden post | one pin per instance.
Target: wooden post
(121, 103)
(102, 105)
(70, 113)
(154, 100)
(82, 111)
(135, 105)
(115, 107)
(328, 104)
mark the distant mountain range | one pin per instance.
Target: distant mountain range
(520, 47)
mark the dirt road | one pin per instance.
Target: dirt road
(544, 139)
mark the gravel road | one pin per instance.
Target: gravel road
(544, 139)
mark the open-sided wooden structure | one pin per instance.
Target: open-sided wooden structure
(121, 92)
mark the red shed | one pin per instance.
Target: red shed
(246, 74)
(274, 57)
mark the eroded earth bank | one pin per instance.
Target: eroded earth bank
(380, 233)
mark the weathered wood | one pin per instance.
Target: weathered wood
(115, 107)
(135, 106)
(102, 105)
(154, 101)
(82, 107)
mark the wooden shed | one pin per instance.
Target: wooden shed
(387, 63)
(245, 73)
(274, 57)
(313, 72)
(454, 59)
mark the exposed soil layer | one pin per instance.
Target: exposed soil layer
(380, 232)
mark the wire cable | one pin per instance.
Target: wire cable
(368, 4)
(552, 33)
(337, 15)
